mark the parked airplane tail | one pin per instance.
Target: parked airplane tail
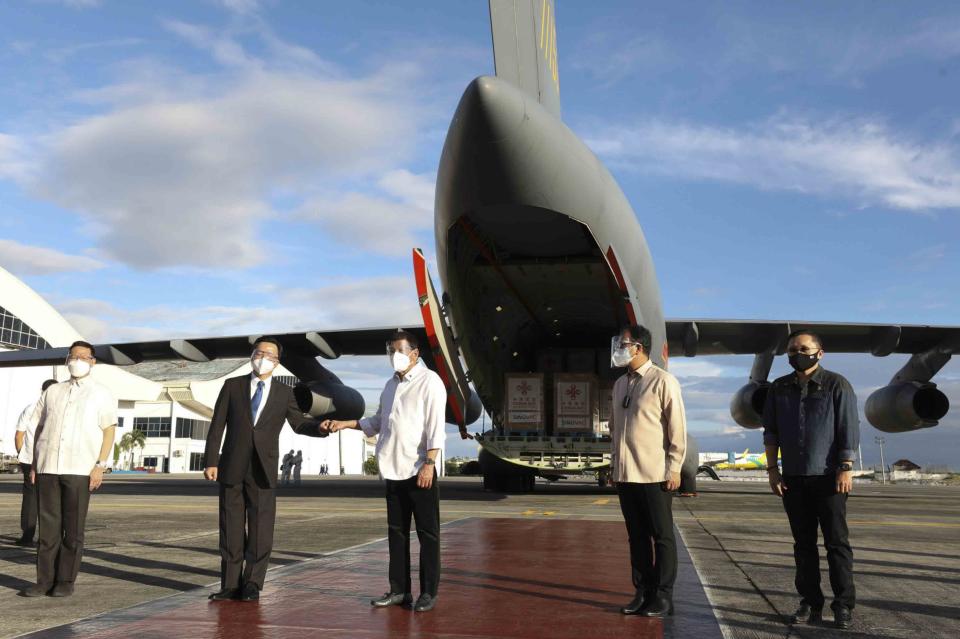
(525, 48)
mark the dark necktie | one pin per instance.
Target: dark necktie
(255, 402)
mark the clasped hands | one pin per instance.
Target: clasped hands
(329, 426)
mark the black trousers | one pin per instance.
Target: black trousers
(247, 514)
(648, 513)
(28, 505)
(404, 499)
(63, 500)
(811, 501)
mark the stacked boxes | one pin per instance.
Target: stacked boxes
(576, 406)
(523, 402)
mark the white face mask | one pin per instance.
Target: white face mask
(620, 352)
(620, 357)
(79, 368)
(262, 365)
(400, 361)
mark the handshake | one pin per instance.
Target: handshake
(329, 426)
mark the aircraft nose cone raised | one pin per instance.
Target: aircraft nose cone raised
(495, 109)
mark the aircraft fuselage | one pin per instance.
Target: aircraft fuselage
(537, 246)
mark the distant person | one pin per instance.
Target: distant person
(297, 463)
(252, 409)
(23, 440)
(285, 468)
(649, 437)
(810, 417)
(410, 424)
(76, 422)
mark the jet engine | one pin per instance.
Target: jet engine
(329, 400)
(746, 407)
(900, 408)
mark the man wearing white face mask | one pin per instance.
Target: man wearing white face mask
(76, 421)
(252, 409)
(649, 439)
(410, 424)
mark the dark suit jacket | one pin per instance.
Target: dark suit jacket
(245, 444)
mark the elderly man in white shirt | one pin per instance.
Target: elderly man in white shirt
(77, 421)
(23, 440)
(410, 424)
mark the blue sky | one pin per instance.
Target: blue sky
(237, 166)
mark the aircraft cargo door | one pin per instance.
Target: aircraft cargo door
(443, 348)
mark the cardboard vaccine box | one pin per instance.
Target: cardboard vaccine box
(576, 406)
(523, 402)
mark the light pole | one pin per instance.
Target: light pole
(883, 466)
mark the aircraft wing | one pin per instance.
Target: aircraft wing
(734, 337)
(309, 344)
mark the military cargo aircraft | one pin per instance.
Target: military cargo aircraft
(542, 259)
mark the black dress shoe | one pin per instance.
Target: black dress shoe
(425, 603)
(250, 592)
(842, 617)
(806, 613)
(25, 543)
(636, 604)
(226, 594)
(62, 590)
(36, 590)
(392, 599)
(657, 606)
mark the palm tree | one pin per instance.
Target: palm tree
(131, 441)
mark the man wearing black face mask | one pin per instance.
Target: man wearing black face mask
(810, 417)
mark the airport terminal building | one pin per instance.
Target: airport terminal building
(171, 402)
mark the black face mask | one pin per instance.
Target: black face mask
(801, 362)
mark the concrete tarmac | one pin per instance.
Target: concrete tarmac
(152, 536)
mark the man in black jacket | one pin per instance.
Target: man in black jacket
(810, 417)
(252, 408)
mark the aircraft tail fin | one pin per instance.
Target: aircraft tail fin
(525, 48)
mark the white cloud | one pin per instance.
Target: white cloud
(377, 301)
(186, 181)
(221, 46)
(23, 259)
(69, 52)
(685, 367)
(861, 160)
(385, 223)
(13, 162)
(243, 7)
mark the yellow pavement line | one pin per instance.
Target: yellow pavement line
(600, 502)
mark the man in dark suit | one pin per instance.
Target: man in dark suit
(252, 409)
